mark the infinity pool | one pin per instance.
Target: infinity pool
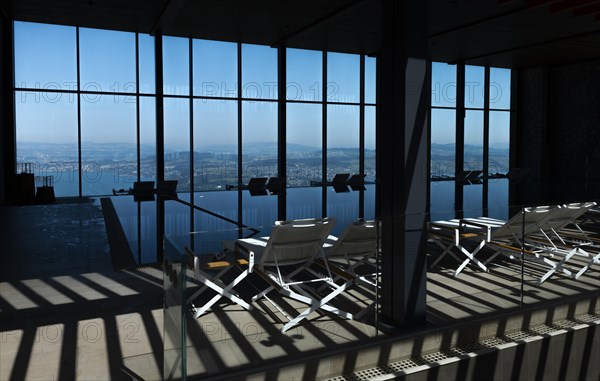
(138, 219)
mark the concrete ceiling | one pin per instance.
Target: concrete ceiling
(506, 33)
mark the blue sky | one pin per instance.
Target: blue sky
(46, 58)
(443, 94)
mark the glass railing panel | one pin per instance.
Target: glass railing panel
(560, 248)
(224, 335)
(174, 311)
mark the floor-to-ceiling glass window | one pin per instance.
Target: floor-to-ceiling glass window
(87, 116)
(47, 120)
(499, 140)
(79, 114)
(330, 128)
(481, 122)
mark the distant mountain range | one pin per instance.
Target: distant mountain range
(127, 151)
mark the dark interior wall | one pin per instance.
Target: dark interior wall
(7, 132)
(558, 123)
(2, 181)
(574, 121)
(532, 137)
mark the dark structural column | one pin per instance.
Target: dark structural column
(8, 155)
(402, 187)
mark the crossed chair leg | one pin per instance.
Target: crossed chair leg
(215, 282)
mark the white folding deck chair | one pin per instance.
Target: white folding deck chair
(355, 247)
(210, 274)
(482, 231)
(529, 234)
(296, 244)
(570, 240)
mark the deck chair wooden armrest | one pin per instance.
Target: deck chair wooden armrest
(487, 228)
(509, 247)
(451, 232)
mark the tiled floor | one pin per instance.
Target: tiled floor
(87, 322)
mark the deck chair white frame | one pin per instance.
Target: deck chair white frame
(355, 247)
(531, 232)
(569, 242)
(210, 273)
(449, 235)
(295, 243)
(482, 231)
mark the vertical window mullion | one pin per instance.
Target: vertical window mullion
(138, 155)
(137, 103)
(239, 131)
(460, 138)
(324, 139)
(361, 135)
(79, 163)
(486, 140)
(281, 128)
(191, 132)
(191, 116)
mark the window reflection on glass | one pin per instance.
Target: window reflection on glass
(259, 72)
(343, 206)
(215, 144)
(499, 153)
(304, 203)
(177, 142)
(474, 86)
(443, 143)
(442, 200)
(343, 77)
(473, 150)
(304, 143)
(259, 140)
(499, 88)
(46, 126)
(370, 153)
(304, 75)
(443, 84)
(147, 138)
(53, 45)
(108, 143)
(146, 64)
(107, 60)
(370, 79)
(342, 140)
(472, 200)
(215, 68)
(176, 66)
(498, 199)
(259, 211)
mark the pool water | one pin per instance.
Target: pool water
(138, 219)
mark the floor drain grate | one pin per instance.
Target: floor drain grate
(469, 349)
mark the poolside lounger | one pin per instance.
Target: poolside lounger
(355, 247)
(210, 274)
(562, 235)
(479, 232)
(292, 247)
(352, 254)
(531, 232)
